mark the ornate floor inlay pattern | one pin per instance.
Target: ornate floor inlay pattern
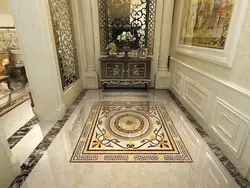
(130, 132)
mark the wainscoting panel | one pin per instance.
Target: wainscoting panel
(221, 108)
(231, 126)
(177, 81)
(196, 97)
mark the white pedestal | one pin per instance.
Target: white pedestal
(163, 80)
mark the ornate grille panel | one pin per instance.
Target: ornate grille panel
(61, 16)
(9, 39)
(116, 16)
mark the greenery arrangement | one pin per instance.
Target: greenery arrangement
(126, 37)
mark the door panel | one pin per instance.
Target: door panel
(114, 70)
(137, 70)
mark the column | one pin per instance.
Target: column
(33, 25)
(90, 80)
(8, 164)
(162, 75)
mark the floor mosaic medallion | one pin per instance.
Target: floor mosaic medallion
(129, 132)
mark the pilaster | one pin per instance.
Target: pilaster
(163, 76)
(90, 77)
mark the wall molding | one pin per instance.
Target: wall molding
(235, 139)
(199, 93)
(225, 83)
(177, 76)
(225, 114)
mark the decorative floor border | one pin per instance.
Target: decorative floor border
(38, 152)
(23, 131)
(232, 170)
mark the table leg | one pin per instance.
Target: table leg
(102, 86)
(8, 84)
(24, 74)
(146, 86)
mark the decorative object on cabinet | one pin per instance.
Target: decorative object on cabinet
(143, 52)
(111, 48)
(135, 53)
(126, 38)
(137, 17)
(125, 71)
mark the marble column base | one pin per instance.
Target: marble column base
(52, 114)
(90, 80)
(163, 80)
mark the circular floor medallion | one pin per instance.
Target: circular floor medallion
(129, 124)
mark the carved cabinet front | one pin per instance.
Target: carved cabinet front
(125, 71)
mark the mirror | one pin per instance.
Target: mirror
(135, 16)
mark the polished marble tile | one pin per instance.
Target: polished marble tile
(16, 118)
(233, 171)
(30, 141)
(38, 152)
(55, 170)
(22, 132)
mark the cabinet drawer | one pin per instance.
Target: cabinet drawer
(138, 70)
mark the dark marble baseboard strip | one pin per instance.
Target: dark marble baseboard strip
(38, 152)
(20, 133)
(233, 171)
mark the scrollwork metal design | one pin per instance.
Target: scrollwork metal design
(140, 17)
(61, 16)
(9, 39)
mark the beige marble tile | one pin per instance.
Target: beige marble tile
(55, 170)
(16, 118)
(26, 145)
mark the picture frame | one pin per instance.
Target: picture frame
(223, 57)
(143, 53)
(134, 53)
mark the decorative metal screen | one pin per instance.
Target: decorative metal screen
(62, 21)
(9, 39)
(137, 16)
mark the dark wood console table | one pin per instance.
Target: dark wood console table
(125, 71)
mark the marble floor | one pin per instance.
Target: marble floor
(45, 151)
(16, 118)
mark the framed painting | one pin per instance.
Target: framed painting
(210, 29)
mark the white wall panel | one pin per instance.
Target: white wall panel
(222, 109)
(231, 126)
(196, 97)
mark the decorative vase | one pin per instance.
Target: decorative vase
(126, 49)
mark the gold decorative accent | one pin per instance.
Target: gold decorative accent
(62, 21)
